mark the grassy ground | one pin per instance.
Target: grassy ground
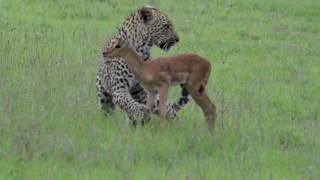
(265, 84)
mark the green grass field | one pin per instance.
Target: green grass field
(265, 84)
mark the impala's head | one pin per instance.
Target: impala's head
(117, 48)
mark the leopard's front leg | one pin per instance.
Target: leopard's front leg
(122, 97)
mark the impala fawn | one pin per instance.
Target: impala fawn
(158, 75)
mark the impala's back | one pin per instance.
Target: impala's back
(181, 68)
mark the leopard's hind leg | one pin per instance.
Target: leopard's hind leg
(104, 99)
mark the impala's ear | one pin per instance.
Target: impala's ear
(118, 46)
(147, 14)
(105, 51)
(121, 43)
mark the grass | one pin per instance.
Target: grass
(265, 84)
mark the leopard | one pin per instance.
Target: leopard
(116, 85)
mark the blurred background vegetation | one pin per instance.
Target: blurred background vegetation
(265, 83)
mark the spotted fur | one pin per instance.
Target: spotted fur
(116, 85)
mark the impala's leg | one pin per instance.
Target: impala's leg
(152, 96)
(174, 107)
(208, 108)
(163, 92)
(210, 111)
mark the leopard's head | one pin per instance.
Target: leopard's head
(160, 28)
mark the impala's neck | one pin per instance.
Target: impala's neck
(135, 63)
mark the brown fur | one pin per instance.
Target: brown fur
(158, 75)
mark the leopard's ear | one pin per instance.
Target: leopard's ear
(146, 13)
